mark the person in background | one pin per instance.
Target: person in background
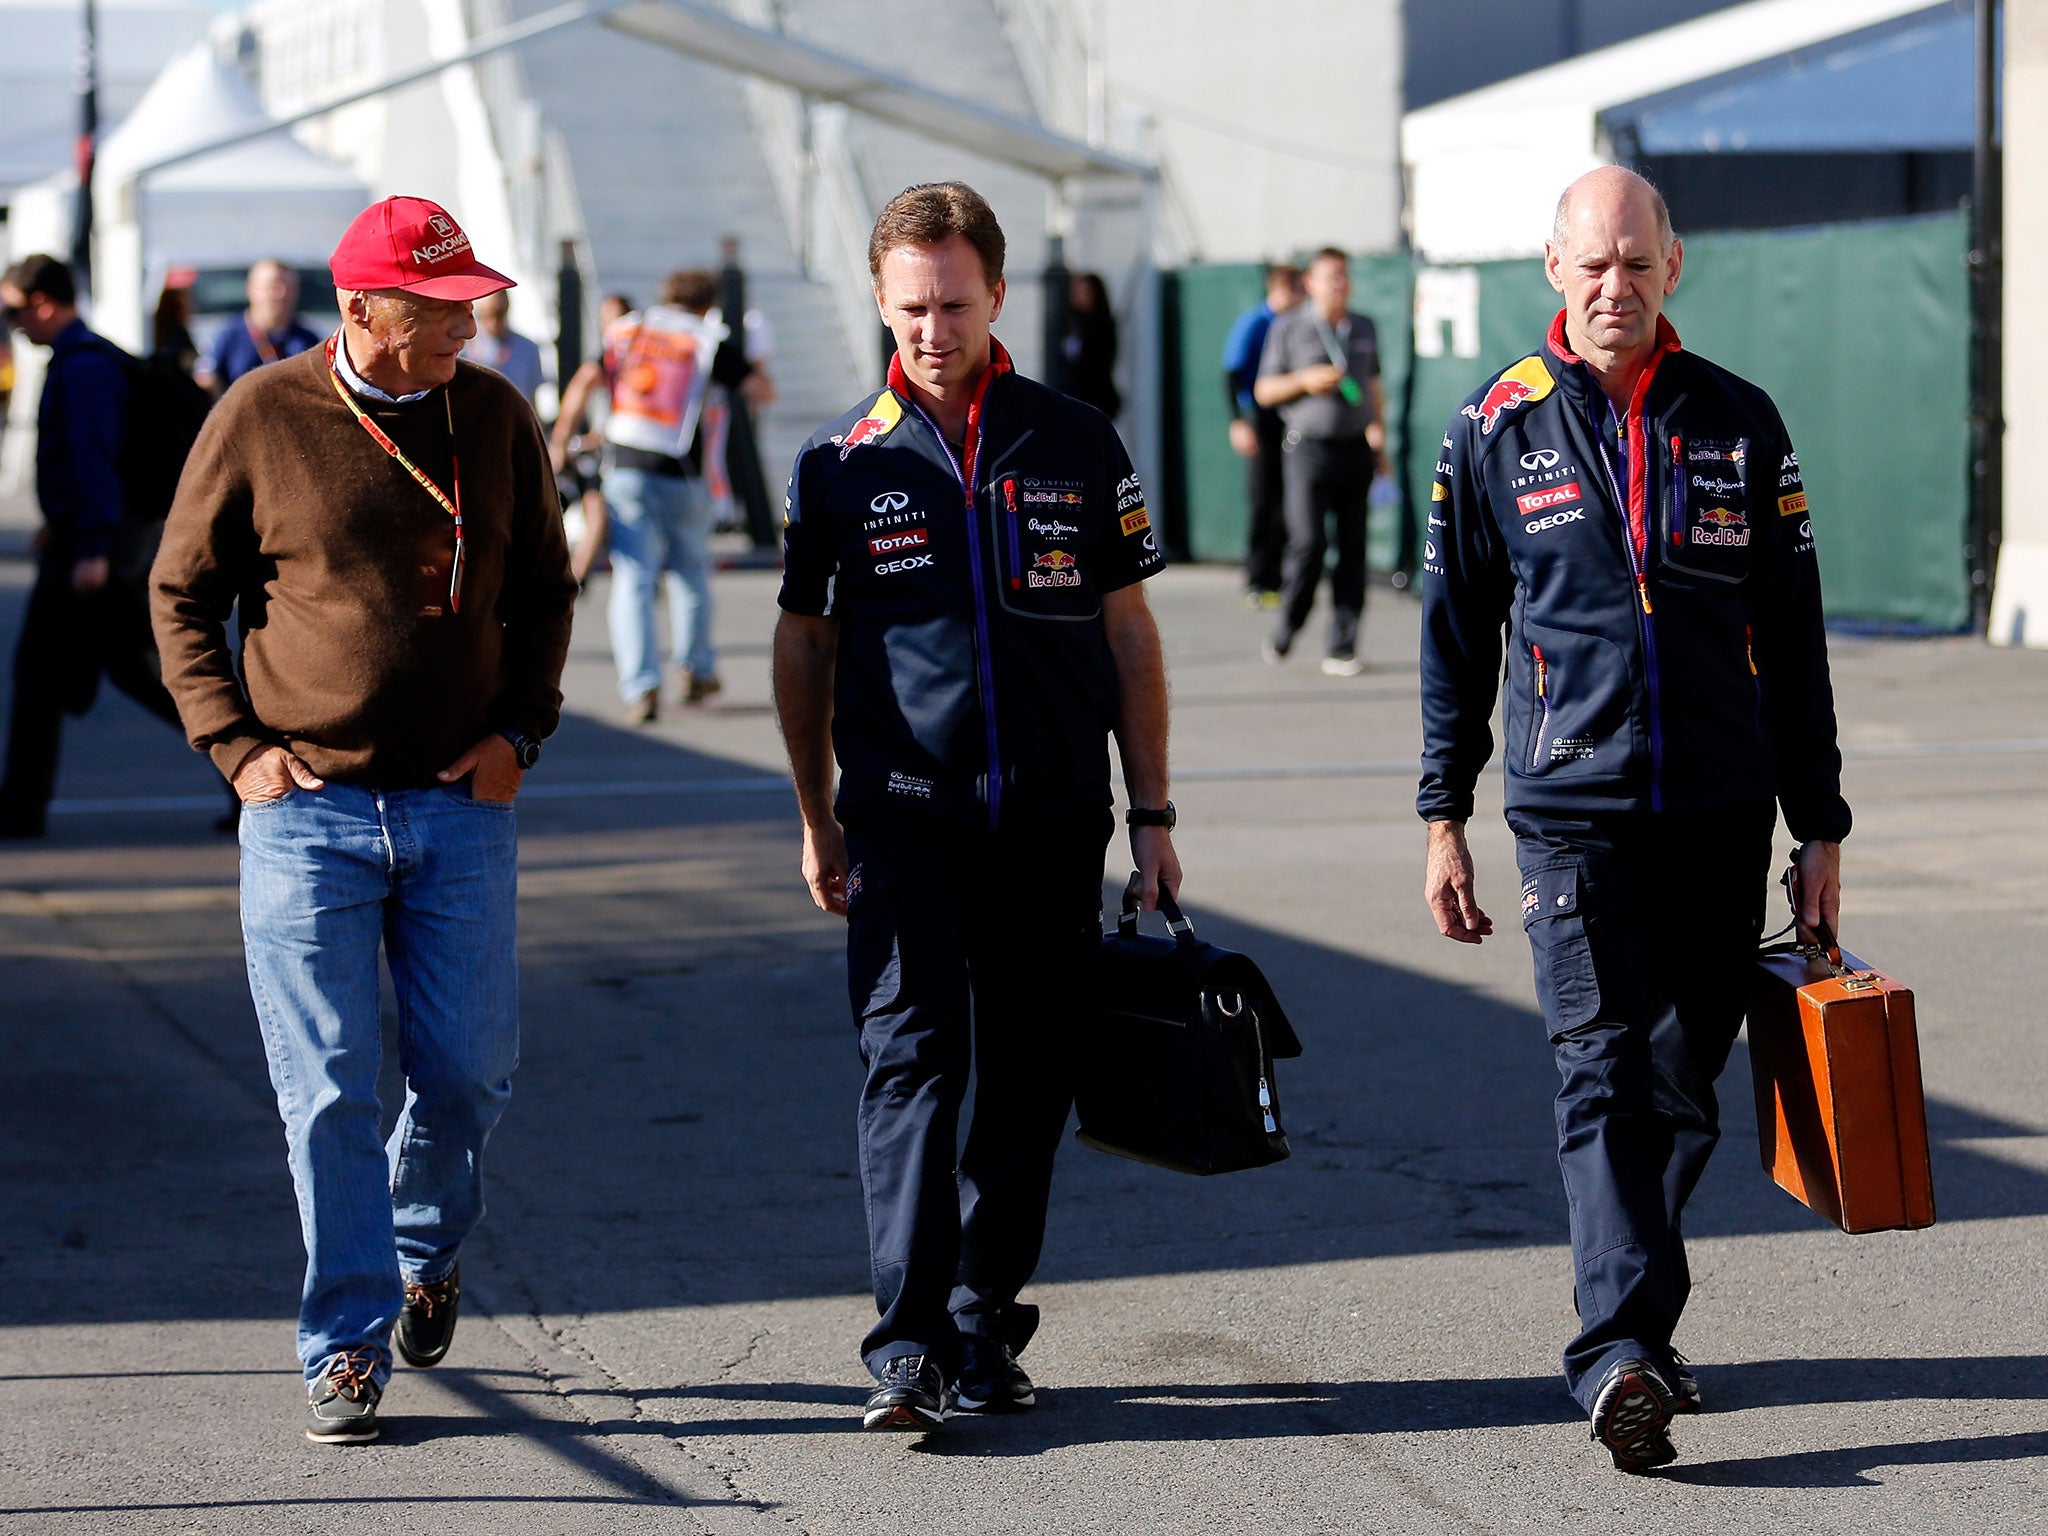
(268, 331)
(657, 366)
(497, 346)
(1255, 435)
(170, 330)
(1088, 351)
(1321, 370)
(81, 623)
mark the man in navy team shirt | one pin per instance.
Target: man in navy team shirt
(266, 332)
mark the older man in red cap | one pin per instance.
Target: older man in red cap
(385, 519)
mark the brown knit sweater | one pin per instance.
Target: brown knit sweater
(335, 555)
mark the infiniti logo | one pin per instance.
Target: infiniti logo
(890, 501)
(1542, 458)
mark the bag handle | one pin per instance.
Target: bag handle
(1824, 946)
(1177, 923)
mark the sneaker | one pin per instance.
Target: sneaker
(343, 1407)
(992, 1381)
(1685, 1387)
(1269, 601)
(426, 1324)
(1630, 1414)
(699, 687)
(1273, 651)
(644, 710)
(1346, 665)
(912, 1394)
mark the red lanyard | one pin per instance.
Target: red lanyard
(264, 349)
(453, 507)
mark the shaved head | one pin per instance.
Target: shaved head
(1610, 182)
(1612, 255)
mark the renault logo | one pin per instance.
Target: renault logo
(1542, 458)
(890, 501)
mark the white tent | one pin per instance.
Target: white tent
(268, 197)
(1485, 168)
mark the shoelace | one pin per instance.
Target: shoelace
(425, 1297)
(350, 1375)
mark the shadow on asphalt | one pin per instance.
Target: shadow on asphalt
(1852, 1468)
(682, 1134)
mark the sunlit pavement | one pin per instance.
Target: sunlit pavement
(663, 1307)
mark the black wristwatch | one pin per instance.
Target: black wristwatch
(1138, 817)
(525, 750)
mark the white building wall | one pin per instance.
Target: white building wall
(1278, 126)
(2019, 608)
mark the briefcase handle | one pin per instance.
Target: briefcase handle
(1824, 948)
(1177, 923)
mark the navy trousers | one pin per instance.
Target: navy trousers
(1644, 928)
(967, 949)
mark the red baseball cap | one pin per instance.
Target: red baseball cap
(411, 244)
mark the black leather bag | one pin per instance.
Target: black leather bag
(1179, 1069)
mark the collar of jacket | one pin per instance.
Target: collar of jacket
(1574, 374)
(970, 449)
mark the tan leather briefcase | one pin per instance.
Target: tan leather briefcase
(1839, 1115)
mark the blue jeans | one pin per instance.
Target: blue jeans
(326, 877)
(660, 526)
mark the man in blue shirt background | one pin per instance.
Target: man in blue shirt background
(1255, 434)
(267, 331)
(80, 623)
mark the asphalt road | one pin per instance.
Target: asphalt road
(663, 1306)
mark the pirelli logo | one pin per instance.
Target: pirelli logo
(1136, 520)
(1793, 505)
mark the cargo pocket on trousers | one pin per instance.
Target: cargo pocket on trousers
(1553, 913)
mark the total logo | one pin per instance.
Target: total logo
(1552, 496)
(896, 567)
(889, 543)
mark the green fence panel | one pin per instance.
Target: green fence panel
(1829, 321)
(1206, 299)
(1861, 333)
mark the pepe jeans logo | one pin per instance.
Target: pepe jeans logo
(890, 501)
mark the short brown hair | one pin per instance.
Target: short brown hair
(931, 213)
(44, 275)
(1330, 253)
(694, 289)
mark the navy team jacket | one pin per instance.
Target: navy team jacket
(1654, 571)
(974, 677)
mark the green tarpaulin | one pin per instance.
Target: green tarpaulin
(1859, 331)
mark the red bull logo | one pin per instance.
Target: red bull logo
(873, 427)
(1527, 380)
(1054, 568)
(1729, 529)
